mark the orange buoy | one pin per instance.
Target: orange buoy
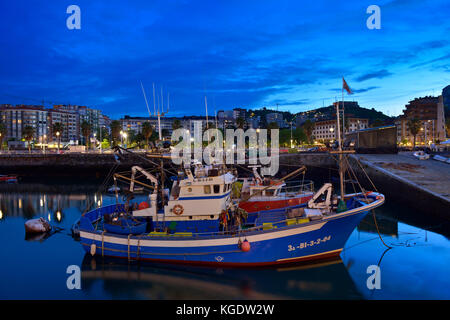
(143, 205)
(245, 246)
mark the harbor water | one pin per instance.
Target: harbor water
(414, 267)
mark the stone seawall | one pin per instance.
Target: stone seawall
(86, 163)
(422, 187)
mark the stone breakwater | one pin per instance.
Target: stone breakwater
(76, 163)
(422, 184)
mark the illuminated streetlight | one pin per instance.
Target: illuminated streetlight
(57, 134)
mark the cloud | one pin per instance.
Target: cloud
(372, 75)
(356, 90)
(226, 51)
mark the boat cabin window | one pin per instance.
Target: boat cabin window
(216, 188)
(213, 173)
(207, 189)
(270, 192)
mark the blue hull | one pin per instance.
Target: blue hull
(282, 245)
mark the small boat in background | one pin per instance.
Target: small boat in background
(260, 194)
(441, 158)
(39, 225)
(8, 178)
(113, 189)
(138, 190)
(421, 155)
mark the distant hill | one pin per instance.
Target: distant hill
(352, 109)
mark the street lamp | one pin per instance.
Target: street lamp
(44, 142)
(125, 137)
(291, 134)
(57, 135)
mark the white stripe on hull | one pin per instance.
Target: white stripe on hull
(202, 243)
(227, 241)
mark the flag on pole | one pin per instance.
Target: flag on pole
(346, 87)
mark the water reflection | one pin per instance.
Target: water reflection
(51, 206)
(327, 280)
(415, 268)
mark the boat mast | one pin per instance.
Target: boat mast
(341, 171)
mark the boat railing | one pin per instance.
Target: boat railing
(296, 187)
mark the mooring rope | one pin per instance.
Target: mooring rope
(373, 210)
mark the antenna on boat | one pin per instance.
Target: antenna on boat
(154, 102)
(206, 111)
(160, 113)
(145, 98)
(341, 171)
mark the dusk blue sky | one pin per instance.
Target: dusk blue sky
(238, 53)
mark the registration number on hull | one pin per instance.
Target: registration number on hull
(307, 244)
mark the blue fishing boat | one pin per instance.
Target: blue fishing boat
(198, 222)
(191, 227)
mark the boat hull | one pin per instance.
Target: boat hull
(300, 242)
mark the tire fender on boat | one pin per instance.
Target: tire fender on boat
(178, 209)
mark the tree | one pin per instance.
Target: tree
(57, 129)
(102, 133)
(414, 126)
(115, 127)
(165, 132)
(308, 128)
(240, 122)
(131, 137)
(147, 131)
(3, 133)
(105, 144)
(376, 123)
(299, 135)
(86, 129)
(285, 137)
(176, 124)
(28, 135)
(447, 127)
(271, 126)
(139, 139)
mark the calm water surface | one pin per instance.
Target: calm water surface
(417, 266)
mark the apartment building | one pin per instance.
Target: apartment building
(430, 112)
(42, 120)
(18, 117)
(326, 129)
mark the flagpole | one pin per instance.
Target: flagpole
(341, 172)
(343, 110)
